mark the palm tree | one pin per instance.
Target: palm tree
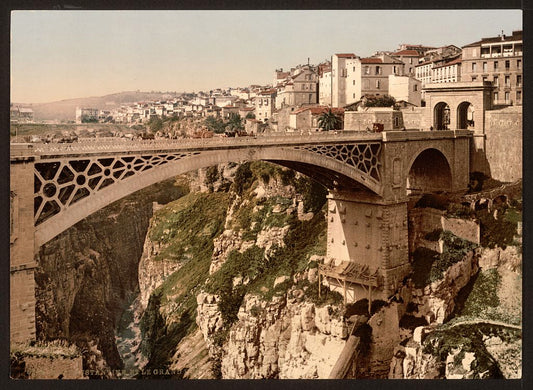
(328, 120)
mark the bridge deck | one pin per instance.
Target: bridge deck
(113, 145)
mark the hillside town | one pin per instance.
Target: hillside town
(386, 82)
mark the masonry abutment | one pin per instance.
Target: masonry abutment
(367, 246)
(22, 251)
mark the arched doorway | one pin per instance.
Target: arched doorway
(441, 116)
(430, 172)
(465, 116)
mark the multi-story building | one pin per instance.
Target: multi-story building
(446, 71)
(406, 89)
(370, 76)
(21, 114)
(409, 58)
(497, 59)
(300, 87)
(265, 103)
(339, 72)
(324, 84)
(86, 114)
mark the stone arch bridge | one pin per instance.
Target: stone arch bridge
(369, 177)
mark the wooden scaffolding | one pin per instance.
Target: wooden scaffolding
(349, 272)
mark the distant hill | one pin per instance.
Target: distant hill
(66, 109)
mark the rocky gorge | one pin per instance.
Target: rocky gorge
(225, 265)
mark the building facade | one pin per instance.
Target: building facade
(405, 88)
(339, 73)
(497, 59)
(265, 103)
(300, 87)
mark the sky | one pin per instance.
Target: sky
(59, 55)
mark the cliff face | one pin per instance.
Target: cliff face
(85, 274)
(262, 247)
(286, 337)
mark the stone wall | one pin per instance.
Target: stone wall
(412, 118)
(38, 367)
(361, 120)
(425, 220)
(503, 145)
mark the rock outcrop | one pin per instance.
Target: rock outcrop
(286, 337)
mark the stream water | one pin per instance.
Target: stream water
(128, 337)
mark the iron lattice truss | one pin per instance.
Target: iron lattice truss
(364, 157)
(61, 183)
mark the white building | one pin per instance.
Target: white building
(405, 88)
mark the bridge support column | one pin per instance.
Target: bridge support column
(367, 248)
(22, 263)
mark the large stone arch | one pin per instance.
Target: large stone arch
(330, 172)
(429, 171)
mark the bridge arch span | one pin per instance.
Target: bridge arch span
(330, 172)
(428, 171)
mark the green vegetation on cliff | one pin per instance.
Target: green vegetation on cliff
(429, 266)
(185, 229)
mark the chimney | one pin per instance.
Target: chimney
(503, 36)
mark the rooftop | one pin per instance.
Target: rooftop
(345, 55)
(406, 53)
(516, 36)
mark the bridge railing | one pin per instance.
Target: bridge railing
(121, 144)
(110, 144)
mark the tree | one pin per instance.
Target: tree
(234, 123)
(328, 120)
(216, 125)
(250, 115)
(155, 123)
(380, 101)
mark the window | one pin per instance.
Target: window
(507, 81)
(507, 64)
(518, 64)
(415, 87)
(377, 84)
(410, 60)
(367, 70)
(485, 67)
(519, 80)
(484, 78)
(495, 65)
(507, 98)
(353, 82)
(496, 81)
(518, 96)
(474, 78)
(495, 97)
(353, 95)
(474, 67)
(378, 69)
(354, 69)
